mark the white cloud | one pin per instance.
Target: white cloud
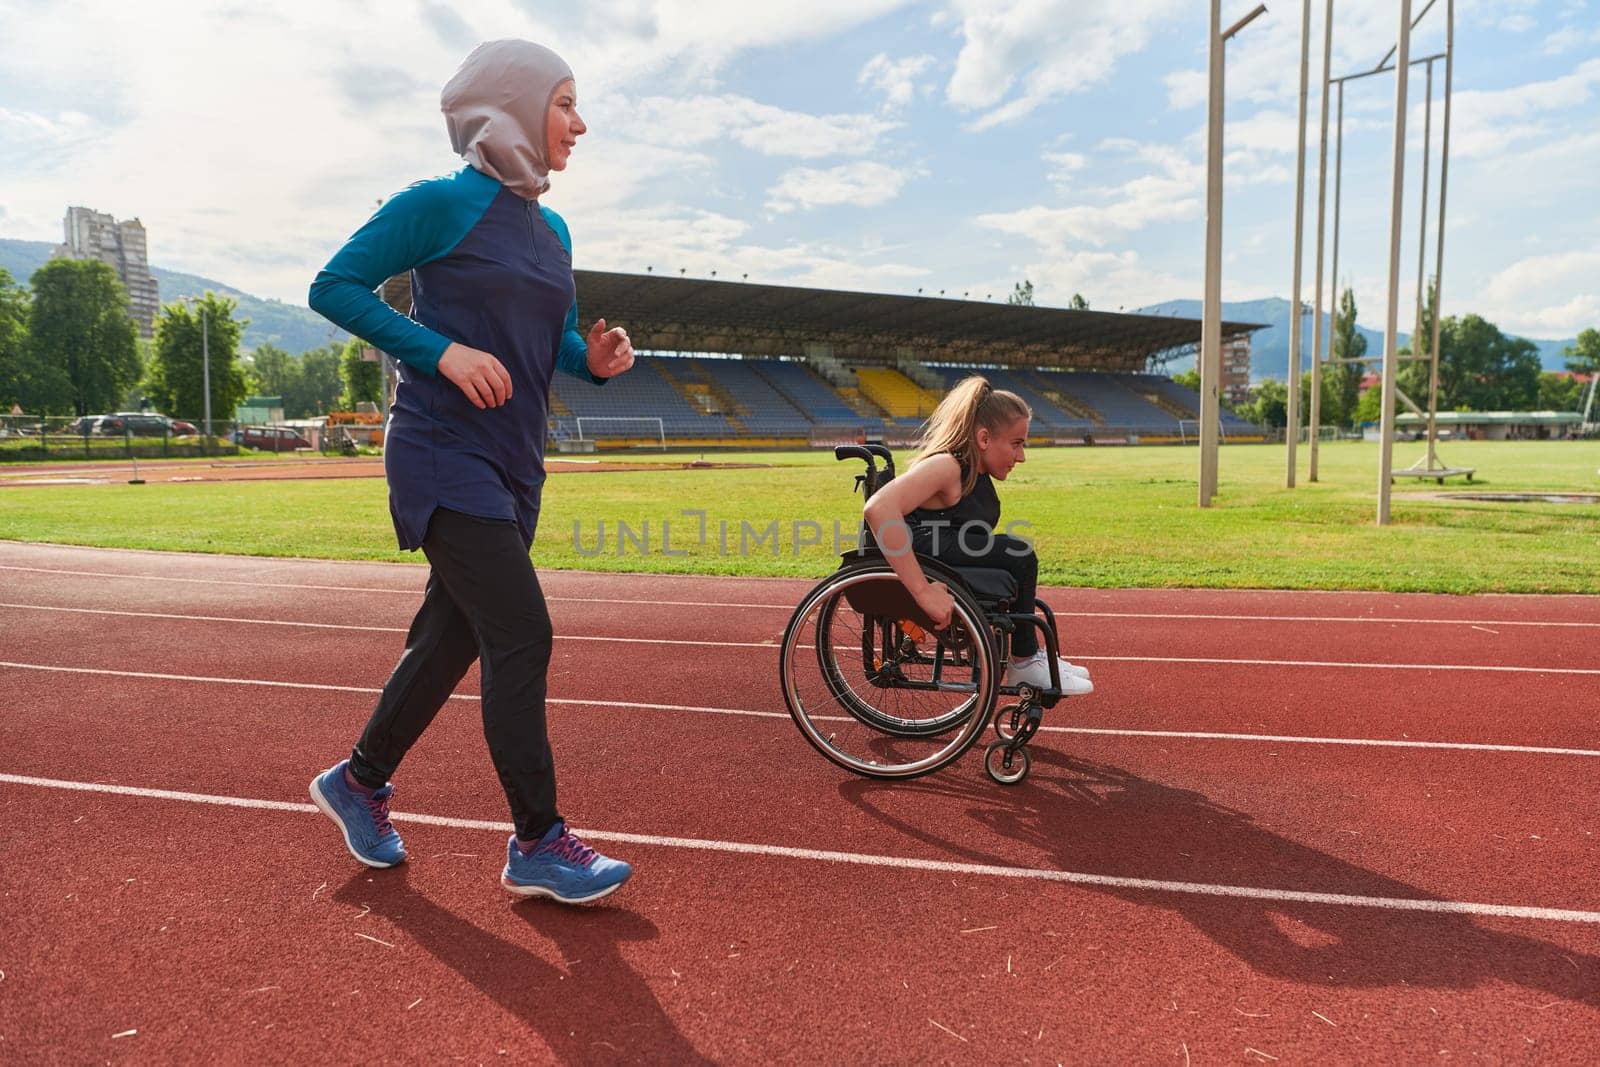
(1108, 280)
(1568, 38)
(863, 184)
(1168, 193)
(670, 240)
(1544, 296)
(705, 120)
(1263, 61)
(252, 163)
(896, 79)
(1063, 166)
(1052, 47)
(1487, 122)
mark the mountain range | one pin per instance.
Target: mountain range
(1269, 348)
(295, 329)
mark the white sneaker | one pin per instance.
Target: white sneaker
(1034, 671)
(1072, 668)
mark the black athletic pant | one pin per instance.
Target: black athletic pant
(972, 547)
(483, 602)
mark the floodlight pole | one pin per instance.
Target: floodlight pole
(1391, 361)
(205, 367)
(1333, 266)
(1315, 419)
(1211, 327)
(1292, 430)
(1438, 264)
(1418, 351)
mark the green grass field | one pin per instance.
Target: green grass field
(1099, 517)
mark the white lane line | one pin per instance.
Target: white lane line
(1465, 746)
(369, 629)
(1392, 619)
(206, 618)
(1493, 668)
(1212, 660)
(790, 607)
(867, 859)
(165, 579)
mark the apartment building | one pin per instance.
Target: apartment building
(93, 234)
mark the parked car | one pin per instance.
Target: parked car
(145, 424)
(269, 438)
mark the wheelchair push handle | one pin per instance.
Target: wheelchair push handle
(868, 453)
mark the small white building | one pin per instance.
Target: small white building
(1493, 425)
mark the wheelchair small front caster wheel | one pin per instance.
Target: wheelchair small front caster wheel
(1007, 721)
(1005, 766)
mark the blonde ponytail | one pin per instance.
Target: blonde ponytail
(953, 426)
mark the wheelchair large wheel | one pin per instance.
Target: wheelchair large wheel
(876, 693)
(889, 651)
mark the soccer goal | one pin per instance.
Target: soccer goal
(1189, 430)
(649, 427)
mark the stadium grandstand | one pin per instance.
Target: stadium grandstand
(732, 363)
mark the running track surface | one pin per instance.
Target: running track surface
(1285, 828)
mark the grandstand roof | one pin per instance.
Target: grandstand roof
(663, 313)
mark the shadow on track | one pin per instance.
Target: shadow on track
(1098, 819)
(589, 1007)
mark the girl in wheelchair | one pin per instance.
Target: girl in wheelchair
(945, 507)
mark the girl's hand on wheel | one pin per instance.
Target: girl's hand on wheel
(937, 603)
(477, 374)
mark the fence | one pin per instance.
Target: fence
(25, 438)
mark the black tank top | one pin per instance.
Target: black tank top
(982, 505)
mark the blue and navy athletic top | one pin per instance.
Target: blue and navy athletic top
(489, 270)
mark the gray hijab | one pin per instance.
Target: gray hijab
(495, 107)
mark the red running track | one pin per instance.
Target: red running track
(1300, 888)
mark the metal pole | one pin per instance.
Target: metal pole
(1315, 421)
(1338, 186)
(1438, 263)
(1211, 325)
(1417, 331)
(1391, 362)
(1292, 431)
(205, 368)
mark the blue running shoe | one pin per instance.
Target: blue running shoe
(562, 867)
(363, 818)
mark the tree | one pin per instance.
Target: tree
(1341, 382)
(1369, 408)
(177, 373)
(1022, 295)
(81, 337)
(1270, 406)
(316, 392)
(1481, 369)
(1189, 379)
(1078, 303)
(362, 379)
(17, 372)
(1583, 356)
(1560, 392)
(272, 371)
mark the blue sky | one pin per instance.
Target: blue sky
(858, 144)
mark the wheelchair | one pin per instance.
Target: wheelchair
(875, 688)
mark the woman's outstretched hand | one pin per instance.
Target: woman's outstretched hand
(477, 374)
(610, 351)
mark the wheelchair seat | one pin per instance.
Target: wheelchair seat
(990, 586)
